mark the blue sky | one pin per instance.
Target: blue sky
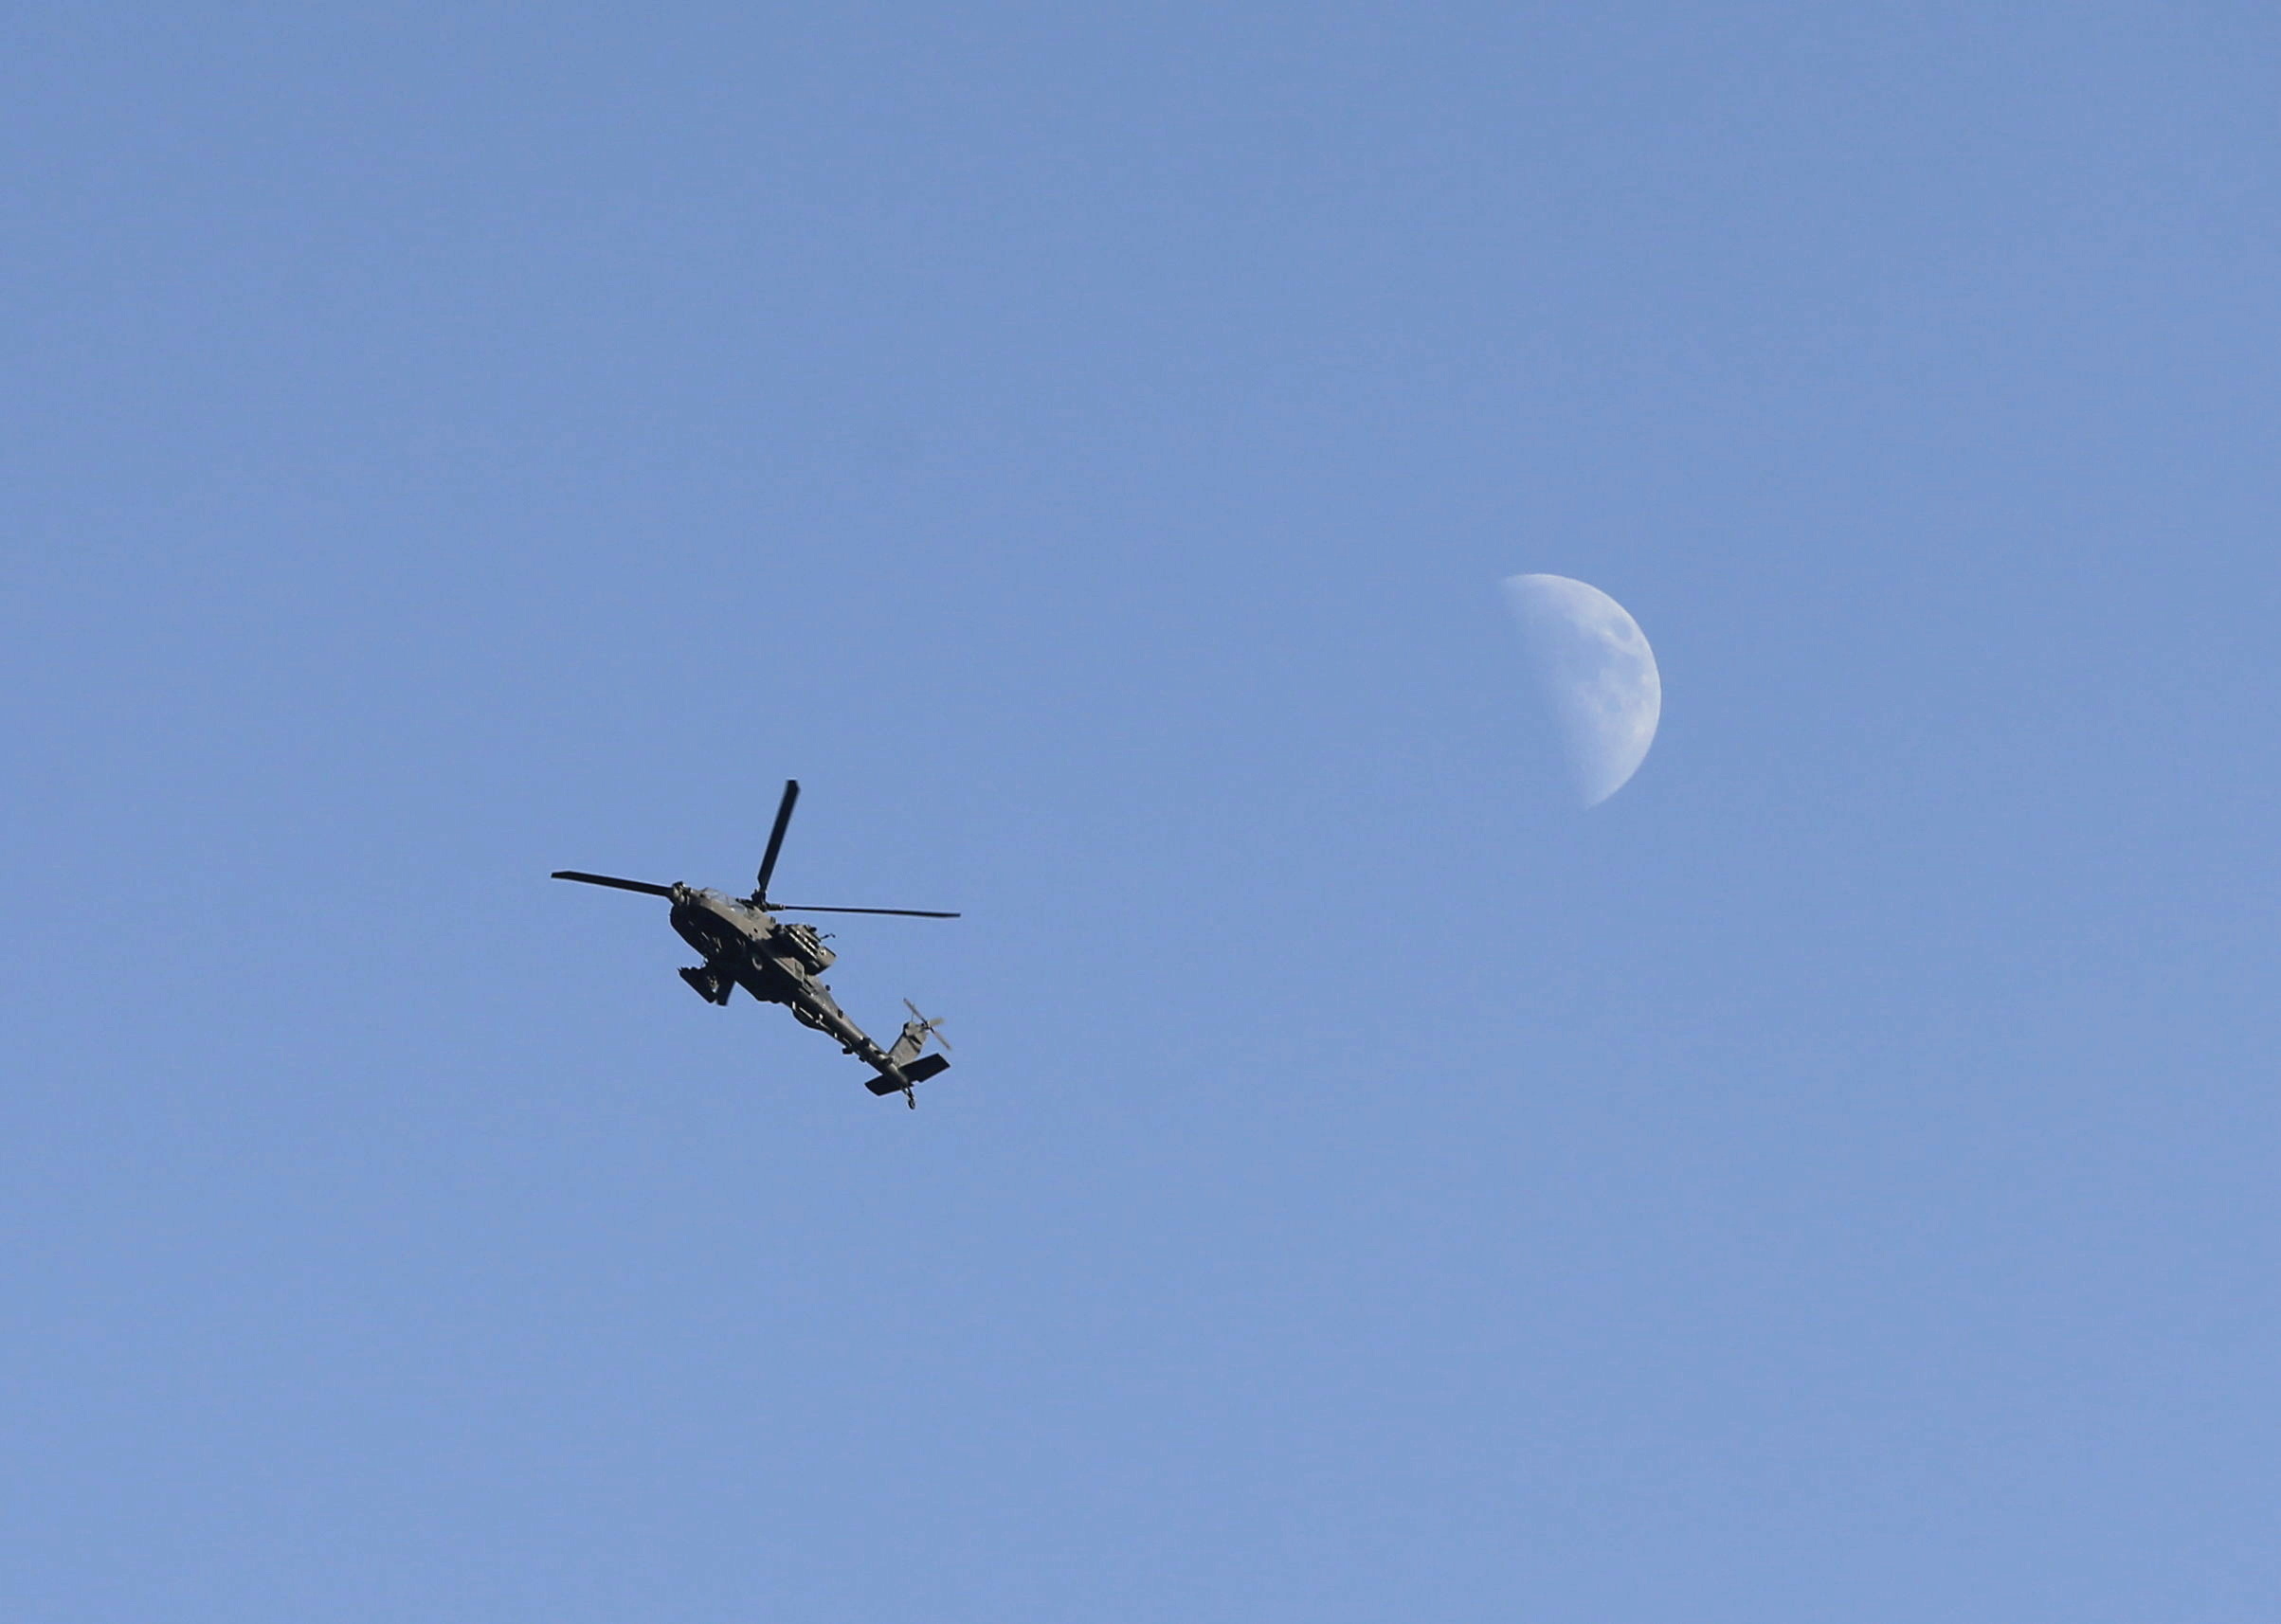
(1831, 1180)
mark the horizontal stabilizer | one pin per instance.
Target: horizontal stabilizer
(917, 1071)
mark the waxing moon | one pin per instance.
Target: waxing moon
(1597, 674)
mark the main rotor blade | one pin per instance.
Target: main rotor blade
(906, 912)
(784, 816)
(643, 886)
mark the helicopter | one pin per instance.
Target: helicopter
(779, 961)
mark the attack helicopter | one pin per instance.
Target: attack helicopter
(779, 961)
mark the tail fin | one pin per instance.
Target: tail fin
(915, 1033)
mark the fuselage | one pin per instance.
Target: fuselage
(737, 937)
(775, 962)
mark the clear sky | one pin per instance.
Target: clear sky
(1832, 1181)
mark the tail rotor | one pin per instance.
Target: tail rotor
(926, 1028)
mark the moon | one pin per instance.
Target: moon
(1597, 674)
